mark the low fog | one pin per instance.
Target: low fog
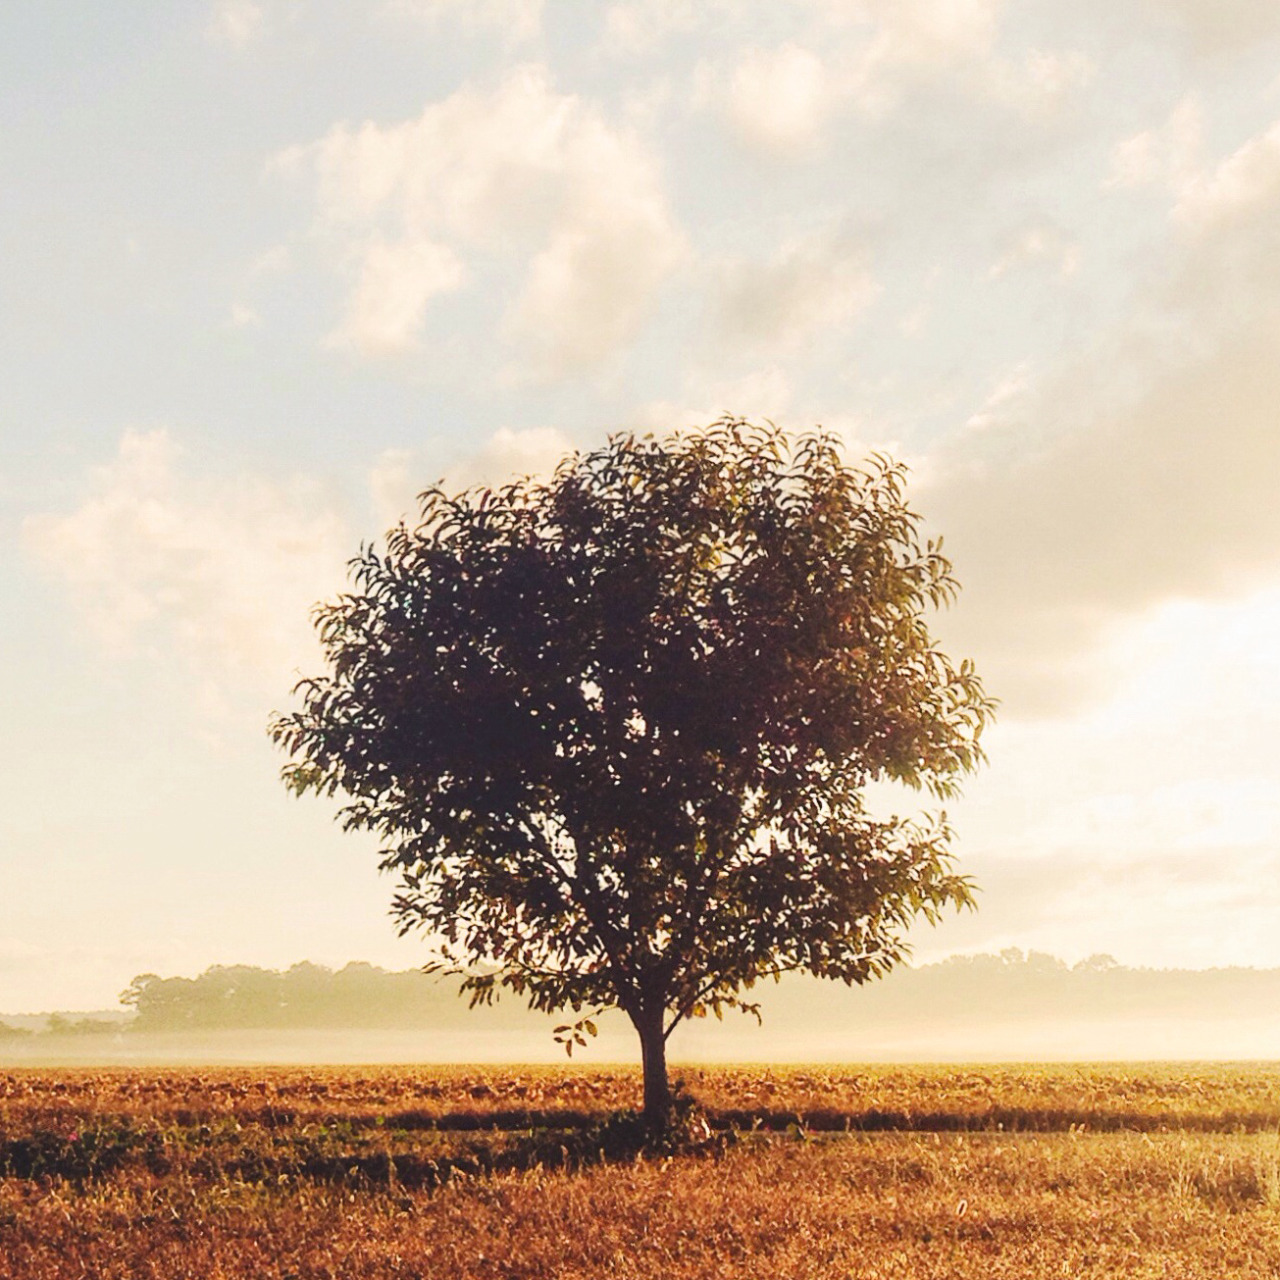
(1011, 1007)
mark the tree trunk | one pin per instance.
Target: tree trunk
(653, 1055)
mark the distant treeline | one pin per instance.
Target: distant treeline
(304, 996)
(958, 992)
(59, 1025)
(1016, 986)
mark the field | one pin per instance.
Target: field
(1164, 1170)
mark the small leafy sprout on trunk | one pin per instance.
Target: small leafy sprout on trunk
(614, 728)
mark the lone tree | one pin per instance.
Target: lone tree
(614, 728)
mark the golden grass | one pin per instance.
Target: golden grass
(901, 1206)
(216, 1181)
(1207, 1096)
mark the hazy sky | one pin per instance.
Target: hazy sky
(272, 266)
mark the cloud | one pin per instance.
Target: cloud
(159, 557)
(1038, 245)
(778, 99)
(236, 22)
(1217, 27)
(395, 480)
(1140, 471)
(813, 284)
(1211, 200)
(924, 33)
(509, 453)
(1223, 281)
(1167, 155)
(396, 283)
(397, 476)
(1006, 404)
(590, 290)
(1239, 189)
(1147, 822)
(1166, 493)
(937, 25)
(765, 393)
(925, 42)
(1040, 85)
(520, 174)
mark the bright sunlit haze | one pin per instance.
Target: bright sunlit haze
(275, 267)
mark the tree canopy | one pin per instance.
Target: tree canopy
(614, 728)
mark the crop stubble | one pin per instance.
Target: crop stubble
(1075, 1171)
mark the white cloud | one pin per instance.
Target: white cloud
(927, 33)
(1038, 245)
(909, 42)
(1041, 84)
(397, 476)
(813, 284)
(1167, 155)
(1217, 27)
(1224, 278)
(764, 393)
(1192, 817)
(924, 41)
(236, 22)
(14, 951)
(158, 556)
(508, 453)
(778, 99)
(870, 55)
(1245, 184)
(395, 480)
(590, 290)
(1006, 405)
(521, 173)
(160, 559)
(389, 303)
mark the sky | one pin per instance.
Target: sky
(272, 267)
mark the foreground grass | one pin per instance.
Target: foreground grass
(193, 1179)
(899, 1206)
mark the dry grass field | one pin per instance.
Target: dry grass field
(1169, 1171)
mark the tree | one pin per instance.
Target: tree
(614, 728)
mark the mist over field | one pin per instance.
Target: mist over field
(1011, 1007)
